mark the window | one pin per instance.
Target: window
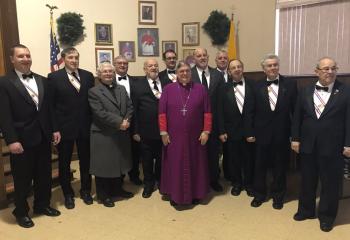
(305, 33)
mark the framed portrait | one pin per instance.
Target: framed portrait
(103, 34)
(127, 49)
(187, 56)
(148, 42)
(190, 34)
(104, 55)
(169, 45)
(147, 12)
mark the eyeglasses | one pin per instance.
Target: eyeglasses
(171, 58)
(122, 63)
(327, 69)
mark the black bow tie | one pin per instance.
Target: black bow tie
(321, 88)
(171, 71)
(272, 82)
(237, 83)
(30, 75)
(121, 78)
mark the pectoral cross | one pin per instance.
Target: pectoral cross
(183, 110)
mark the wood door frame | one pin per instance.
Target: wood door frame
(9, 31)
(8, 37)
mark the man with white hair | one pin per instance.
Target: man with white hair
(212, 79)
(145, 129)
(274, 102)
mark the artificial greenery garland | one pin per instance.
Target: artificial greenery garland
(70, 28)
(217, 27)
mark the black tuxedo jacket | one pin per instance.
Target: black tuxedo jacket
(145, 120)
(71, 108)
(231, 121)
(216, 80)
(132, 82)
(20, 121)
(331, 131)
(163, 75)
(273, 126)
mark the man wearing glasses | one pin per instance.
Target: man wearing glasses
(168, 75)
(321, 134)
(122, 77)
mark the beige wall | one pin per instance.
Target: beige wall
(255, 30)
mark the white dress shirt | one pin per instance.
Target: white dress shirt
(155, 92)
(321, 98)
(124, 82)
(31, 87)
(273, 93)
(206, 73)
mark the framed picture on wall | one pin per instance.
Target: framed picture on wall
(104, 55)
(190, 34)
(147, 13)
(148, 42)
(127, 49)
(103, 34)
(166, 45)
(187, 56)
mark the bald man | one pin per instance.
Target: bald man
(145, 97)
(212, 79)
(321, 134)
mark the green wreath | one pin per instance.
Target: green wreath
(217, 27)
(70, 28)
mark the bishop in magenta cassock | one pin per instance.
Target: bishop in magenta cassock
(185, 122)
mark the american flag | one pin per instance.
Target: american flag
(55, 58)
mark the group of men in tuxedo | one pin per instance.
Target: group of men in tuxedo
(273, 115)
(247, 115)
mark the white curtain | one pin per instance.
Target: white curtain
(308, 32)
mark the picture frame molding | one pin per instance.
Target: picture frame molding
(139, 47)
(133, 49)
(197, 42)
(152, 4)
(170, 41)
(110, 31)
(97, 52)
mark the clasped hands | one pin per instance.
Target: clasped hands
(203, 138)
(223, 138)
(124, 125)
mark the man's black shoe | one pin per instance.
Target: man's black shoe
(48, 211)
(256, 203)
(147, 193)
(25, 222)
(216, 187)
(87, 199)
(124, 194)
(236, 190)
(107, 202)
(195, 201)
(250, 192)
(69, 202)
(326, 227)
(277, 205)
(301, 217)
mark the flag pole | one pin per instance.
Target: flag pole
(55, 60)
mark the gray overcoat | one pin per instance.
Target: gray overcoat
(110, 146)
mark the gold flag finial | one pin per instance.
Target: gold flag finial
(51, 8)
